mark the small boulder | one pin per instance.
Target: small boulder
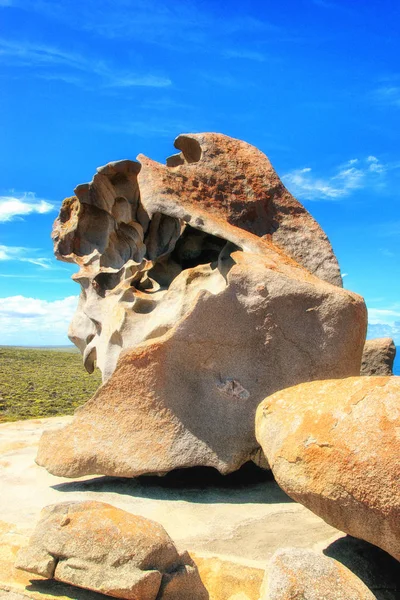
(295, 574)
(378, 357)
(96, 546)
(334, 447)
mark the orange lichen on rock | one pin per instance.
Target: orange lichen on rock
(334, 447)
(102, 548)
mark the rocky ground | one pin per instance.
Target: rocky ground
(230, 525)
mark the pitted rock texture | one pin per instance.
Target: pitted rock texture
(135, 227)
(378, 357)
(189, 397)
(192, 312)
(334, 447)
(232, 181)
(295, 574)
(96, 546)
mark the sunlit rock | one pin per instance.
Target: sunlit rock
(194, 308)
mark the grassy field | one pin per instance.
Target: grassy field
(42, 382)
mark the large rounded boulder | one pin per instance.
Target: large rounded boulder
(334, 446)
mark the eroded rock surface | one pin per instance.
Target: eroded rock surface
(221, 179)
(137, 226)
(378, 357)
(105, 549)
(192, 311)
(293, 574)
(189, 397)
(334, 446)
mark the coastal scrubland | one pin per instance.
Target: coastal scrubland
(43, 382)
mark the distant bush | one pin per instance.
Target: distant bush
(36, 382)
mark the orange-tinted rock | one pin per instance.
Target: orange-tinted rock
(334, 446)
(295, 574)
(102, 548)
(226, 579)
(194, 308)
(189, 397)
(378, 357)
(221, 178)
(135, 227)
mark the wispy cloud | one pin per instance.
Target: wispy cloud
(384, 322)
(348, 177)
(384, 315)
(386, 252)
(388, 229)
(12, 207)
(245, 55)
(325, 3)
(344, 7)
(21, 254)
(36, 277)
(44, 322)
(388, 95)
(158, 127)
(186, 26)
(54, 63)
(377, 330)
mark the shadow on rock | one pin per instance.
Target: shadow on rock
(57, 588)
(378, 570)
(204, 485)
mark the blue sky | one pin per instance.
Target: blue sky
(315, 84)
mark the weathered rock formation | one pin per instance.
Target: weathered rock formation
(295, 574)
(102, 548)
(137, 226)
(378, 357)
(189, 397)
(180, 269)
(334, 446)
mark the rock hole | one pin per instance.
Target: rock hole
(190, 148)
(195, 248)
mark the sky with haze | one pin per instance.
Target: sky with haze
(315, 84)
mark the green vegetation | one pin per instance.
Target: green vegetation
(43, 382)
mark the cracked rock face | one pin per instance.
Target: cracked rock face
(334, 447)
(196, 303)
(96, 546)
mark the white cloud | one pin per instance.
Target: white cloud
(23, 255)
(374, 165)
(387, 316)
(384, 322)
(41, 56)
(31, 321)
(350, 176)
(18, 206)
(185, 25)
(378, 330)
(388, 95)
